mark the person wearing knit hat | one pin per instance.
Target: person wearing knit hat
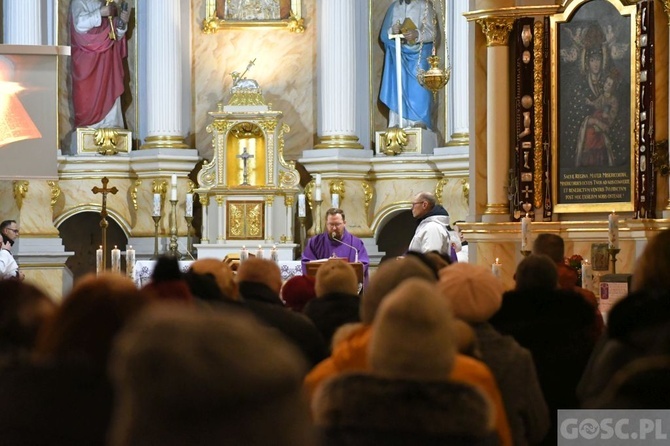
(176, 387)
(475, 295)
(412, 351)
(351, 353)
(337, 300)
(298, 291)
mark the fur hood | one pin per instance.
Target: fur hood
(367, 409)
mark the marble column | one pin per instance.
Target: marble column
(22, 22)
(497, 31)
(337, 75)
(164, 78)
(458, 112)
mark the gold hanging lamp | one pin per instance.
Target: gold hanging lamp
(435, 78)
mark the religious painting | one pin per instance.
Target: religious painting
(593, 107)
(246, 13)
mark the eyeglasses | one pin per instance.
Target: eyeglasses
(416, 202)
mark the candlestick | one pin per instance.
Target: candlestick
(157, 219)
(302, 207)
(259, 252)
(189, 205)
(496, 268)
(613, 231)
(116, 260)
(274, 254)
(130, 262)
(244, 254)
(613, 253)
(303, 233)
(587, 275)
(98, 260)
(173, 247)
(157, 206)
(335, 200)
(525, 232)
(189, 241)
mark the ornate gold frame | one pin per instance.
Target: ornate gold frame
(213, 23)
(625, 9)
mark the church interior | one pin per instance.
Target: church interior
(299, 98)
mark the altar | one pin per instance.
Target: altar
(248, 190)
(144, 268)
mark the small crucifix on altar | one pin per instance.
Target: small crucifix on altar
(103, 215)
(244, 156)
(527, 191)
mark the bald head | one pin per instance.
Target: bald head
(260, 271)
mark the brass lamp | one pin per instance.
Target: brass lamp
(435, 78)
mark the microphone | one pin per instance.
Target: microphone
(333, 234)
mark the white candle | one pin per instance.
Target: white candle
(317, 193)
(318, 180)
(98, 260)
(335, 200)
(274, 254)
(244, 254)
(496, 268)
(130, 262)
(259, 252)
(189, 205)
(613, 231)
(157, 205)
(116, 260)
(173, 193)
(302, 208)
(173, 180)
(525, 232)
(587, 275)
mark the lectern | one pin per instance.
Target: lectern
(313, 266)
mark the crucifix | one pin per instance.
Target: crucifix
(103, 215)
(527, 191)
(245, 168)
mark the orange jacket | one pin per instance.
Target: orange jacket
(351, 355)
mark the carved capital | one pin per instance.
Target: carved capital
(497, 30)
(20, 191)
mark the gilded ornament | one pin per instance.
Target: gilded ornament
(538, 80)
(309, 188)
(289, 200)
(133, 193)
(219, 200)
(20, 191)
(435, 78)
(439, 188)
(280, 150)
(496, 30)
(368, 194)
(159, 187)
(288, 179)
(270, 199)
(466, 190)
(296, 24)
(204, 199)
(106, 141)
(191, 186)
(55, 192)
(396, 141)
(666, 7)
(337, 187)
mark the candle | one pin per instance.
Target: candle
(244, 254)
(173, 189)
(157, 205)
(274, 254)
(525, 232)
(587, 276)
(302, 208)
(335, 200)
(173, 180)
(317, 193)
(189, 205)
(259, 252)
(318, 180)
(98, 260)
(116, 260)
(613, 231)
(130, 262)
(496, 268)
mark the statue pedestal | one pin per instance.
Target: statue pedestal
(419, 141)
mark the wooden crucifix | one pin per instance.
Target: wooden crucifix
(103, 215)
(245, 168)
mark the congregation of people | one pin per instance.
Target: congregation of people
(431, 351)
